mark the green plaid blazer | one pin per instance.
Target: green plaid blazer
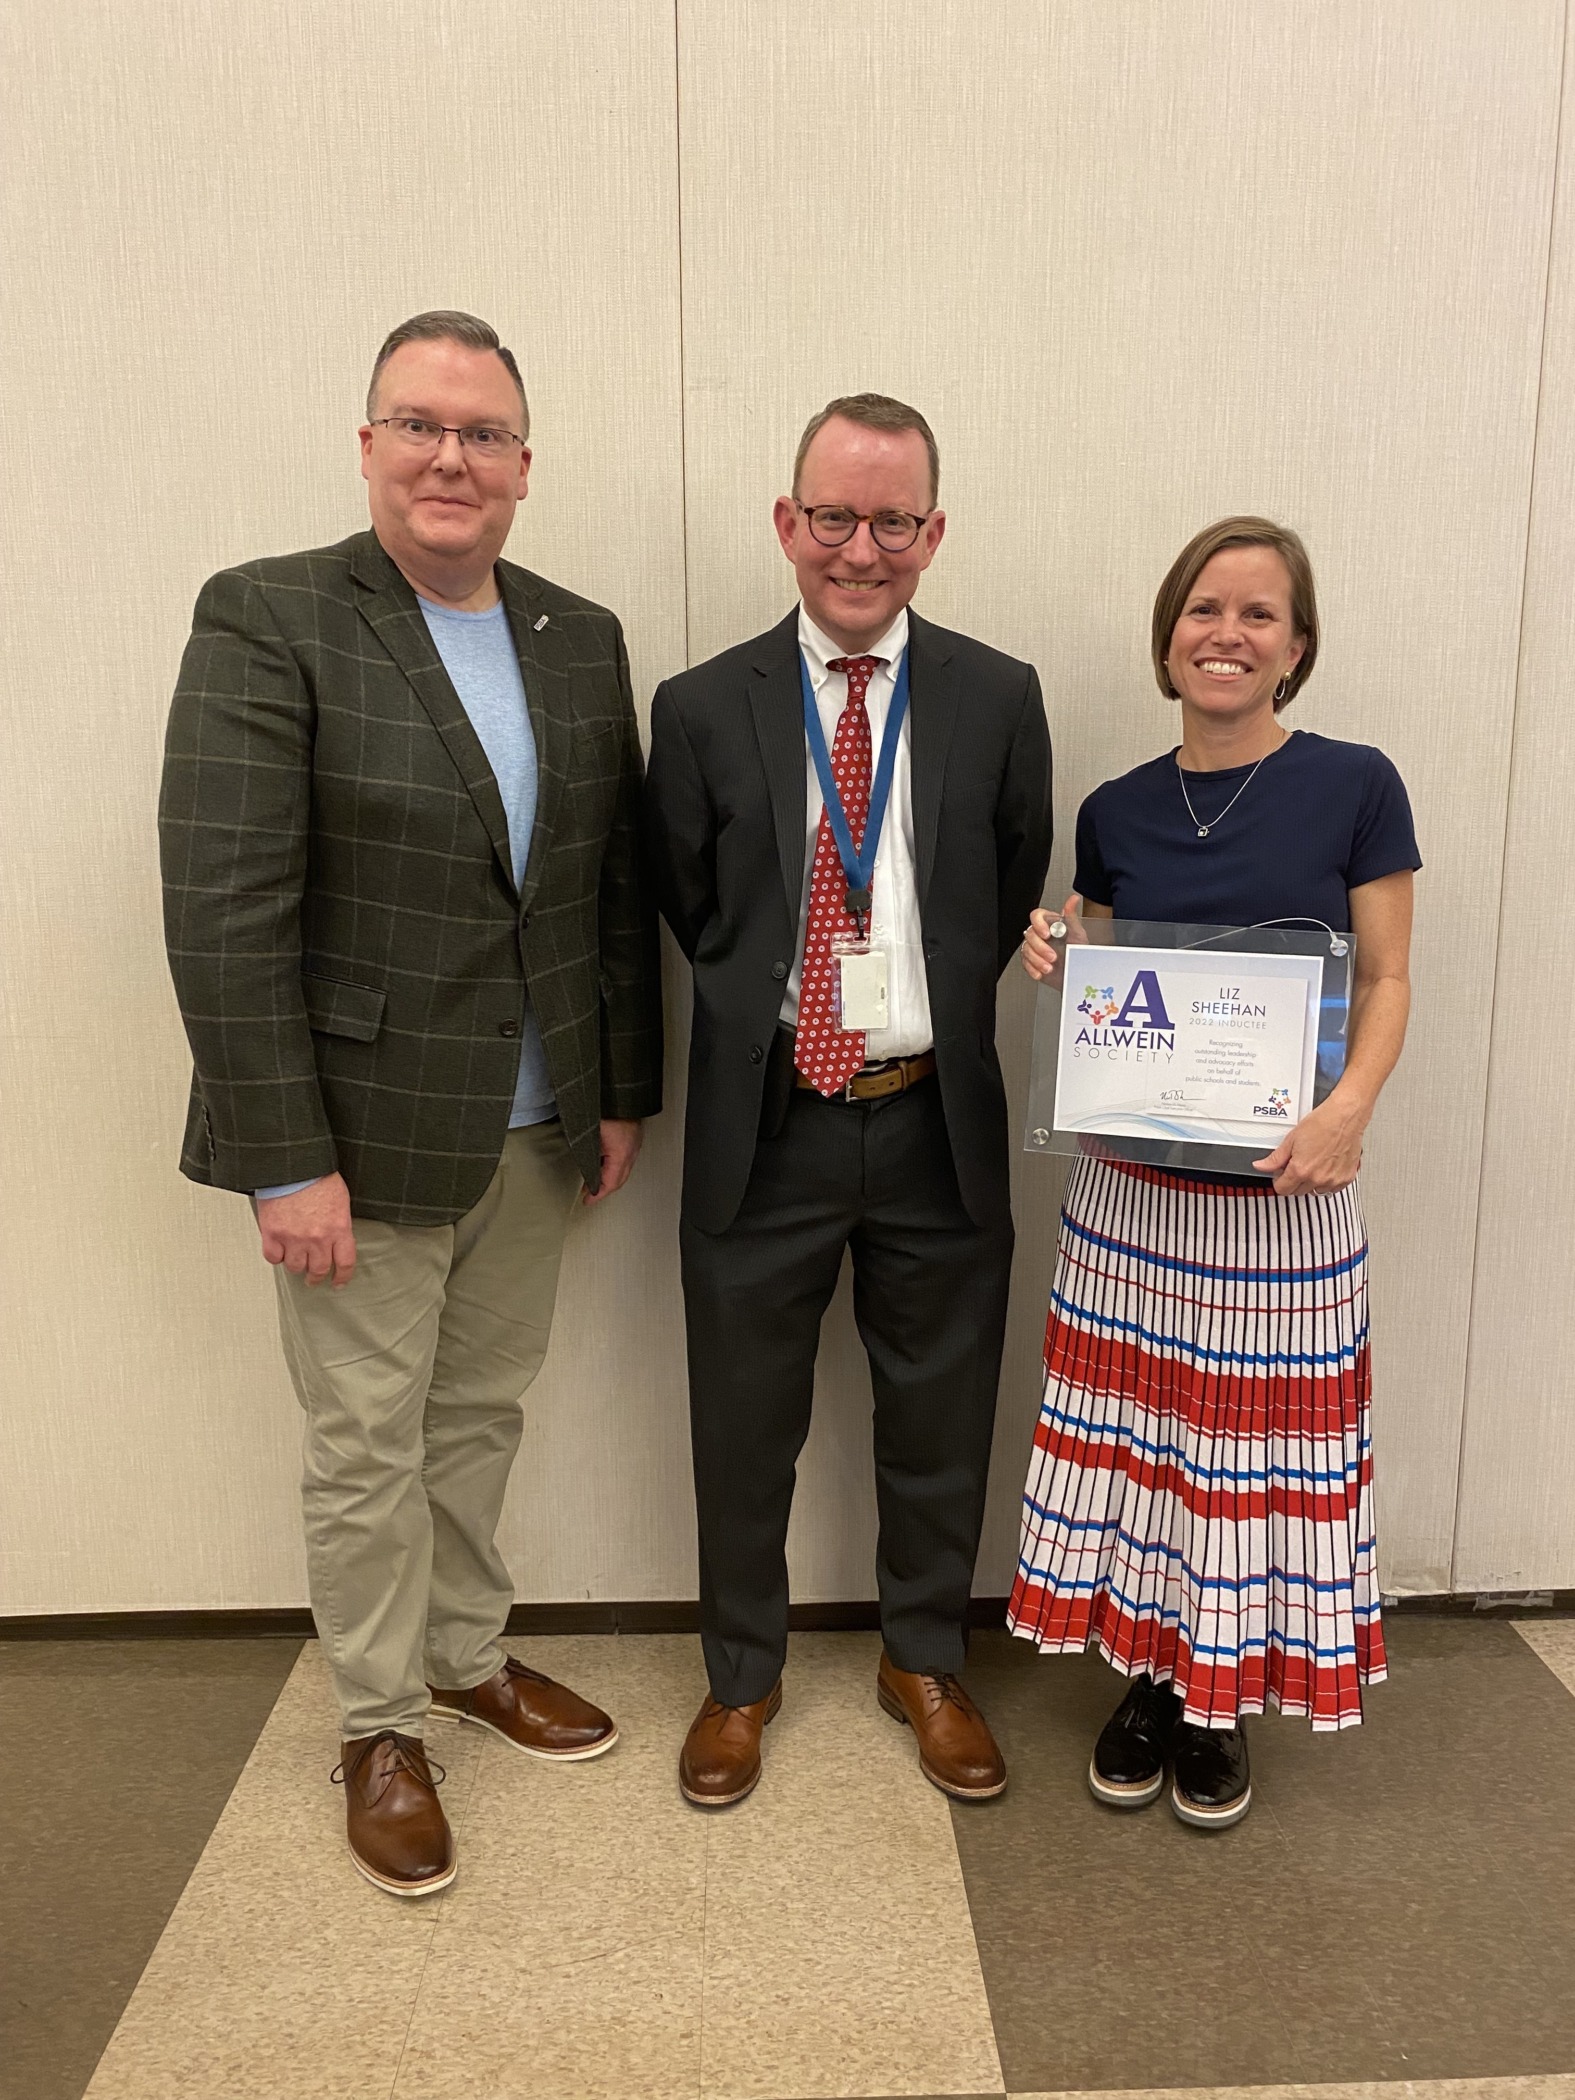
(349, 950)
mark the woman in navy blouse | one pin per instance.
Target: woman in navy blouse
(1199, 1500)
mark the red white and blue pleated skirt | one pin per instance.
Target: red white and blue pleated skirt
(1199, 1501)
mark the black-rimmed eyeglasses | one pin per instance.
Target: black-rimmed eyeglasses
(833, 525)
(486, 440)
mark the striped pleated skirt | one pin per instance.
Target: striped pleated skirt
(1199, 1499)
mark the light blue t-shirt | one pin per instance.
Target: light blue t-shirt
(478, 654)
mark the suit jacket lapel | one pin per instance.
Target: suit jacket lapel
(932, 708)
(544, 664)
(777, 703)
(389, 604)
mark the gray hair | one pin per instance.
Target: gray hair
(444, 326)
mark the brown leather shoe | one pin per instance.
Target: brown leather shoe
(399, 1835)
(720, 1761)
(532, 1713)
(957, 1752)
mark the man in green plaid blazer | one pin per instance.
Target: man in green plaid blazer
(419, 972)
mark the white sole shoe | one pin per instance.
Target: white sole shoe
(552, 1757)
(1201, 1817)
(434, 1887)
(1115, 1793)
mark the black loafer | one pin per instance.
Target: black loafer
(1127, 1769)
(1212, 1784)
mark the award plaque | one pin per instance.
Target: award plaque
(1186, 1046)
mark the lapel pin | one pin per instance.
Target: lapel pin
(540, 624)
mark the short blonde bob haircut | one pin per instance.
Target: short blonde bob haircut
(1195, 557)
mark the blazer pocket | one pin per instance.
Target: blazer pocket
(598, 743)
(336, 1008)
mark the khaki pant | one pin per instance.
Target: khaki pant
(411, 1379)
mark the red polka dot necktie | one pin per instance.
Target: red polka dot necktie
(826, 1056)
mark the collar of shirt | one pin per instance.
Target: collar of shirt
(819, 649)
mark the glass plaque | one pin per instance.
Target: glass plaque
(1185, 1046)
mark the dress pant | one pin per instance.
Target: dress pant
(929, 1297)
(411, 1379)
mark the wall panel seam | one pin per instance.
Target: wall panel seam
(1509, 792)
(683, 370)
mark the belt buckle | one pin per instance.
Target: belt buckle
(891, 1067)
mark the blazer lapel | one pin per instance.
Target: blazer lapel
(932, 710)
(389, 605)
(543, 651)
(776, 700)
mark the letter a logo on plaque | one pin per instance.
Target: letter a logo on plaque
(1145, 998)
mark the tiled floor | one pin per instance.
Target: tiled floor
(116, 1758)
(1400, 1904)
(1396, 1918)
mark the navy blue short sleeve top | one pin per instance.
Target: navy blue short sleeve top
(1318, 820)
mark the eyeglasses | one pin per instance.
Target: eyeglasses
(833, 525)
(416, 434)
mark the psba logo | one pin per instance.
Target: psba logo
(1278, 1104)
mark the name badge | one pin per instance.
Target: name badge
(862, 987)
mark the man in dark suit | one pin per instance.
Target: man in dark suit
(843, 1084)
(399, 829)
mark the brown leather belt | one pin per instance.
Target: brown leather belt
(895, 1076)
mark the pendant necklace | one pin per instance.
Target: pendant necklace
(1205, 829)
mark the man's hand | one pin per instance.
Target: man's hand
(620, 1141)
(310, 1232)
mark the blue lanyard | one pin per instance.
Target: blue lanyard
(859, 868)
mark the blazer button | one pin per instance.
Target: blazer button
(755, 1053)
(508, 1028)
(779, 970)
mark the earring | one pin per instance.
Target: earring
(1282, 689)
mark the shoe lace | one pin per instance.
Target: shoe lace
(948, 1691)
(406, 1755)
(511, 1668)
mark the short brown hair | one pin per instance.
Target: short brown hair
(1195, 557)
(444, 326)
(871, 412)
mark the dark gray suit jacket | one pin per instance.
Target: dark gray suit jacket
(726, 813)
(349, 950)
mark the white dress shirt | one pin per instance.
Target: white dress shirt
(894, 895)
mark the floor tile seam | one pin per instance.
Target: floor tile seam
(190, 1890)
(1509, 2085)
(952, 1813)
(1527, 1629)
(439, 1914)
(217, 1831)
(705, 1961)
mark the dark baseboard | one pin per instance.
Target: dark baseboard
(287, 1623)
(680, 1615)
(1486, 1604)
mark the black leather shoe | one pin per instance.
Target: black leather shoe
(1212, 1785)
(1127, 1769)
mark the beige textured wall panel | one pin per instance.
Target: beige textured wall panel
(1517, 1481)
(212, 216)
(1142, 266)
